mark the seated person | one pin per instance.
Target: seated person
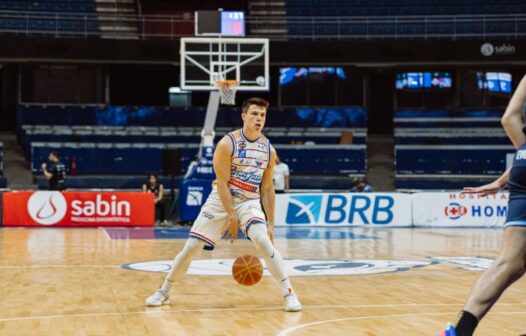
(359, 185)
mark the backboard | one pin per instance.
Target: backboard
(206, 60)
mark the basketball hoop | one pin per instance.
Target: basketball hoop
(227, 89)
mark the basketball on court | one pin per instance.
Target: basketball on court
(247, 270)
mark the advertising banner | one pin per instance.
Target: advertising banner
(69, 208)
(376, 209)
(453, 209)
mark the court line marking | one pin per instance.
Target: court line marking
(286, 332)
(156, 310)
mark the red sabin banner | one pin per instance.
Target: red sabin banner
(69, 208)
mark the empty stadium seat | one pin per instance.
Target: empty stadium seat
(67, 17)
(143, 158)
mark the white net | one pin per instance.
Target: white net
(227, 89)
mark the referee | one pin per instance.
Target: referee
(55, 173)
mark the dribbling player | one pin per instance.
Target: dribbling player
(244, 168)
(510, 265)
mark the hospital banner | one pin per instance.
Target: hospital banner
(454, 209)
(70, 208)
(344, 209)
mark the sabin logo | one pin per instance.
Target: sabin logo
(47, 207)
(304, 209)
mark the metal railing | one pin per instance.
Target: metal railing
(275, 27)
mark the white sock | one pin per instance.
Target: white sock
(182, 261)
(258, 234)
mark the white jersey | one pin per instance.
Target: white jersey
(250, 159)
(280, 172)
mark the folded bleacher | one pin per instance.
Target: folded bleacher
(76, 17)
(118, 141)
(449, 149)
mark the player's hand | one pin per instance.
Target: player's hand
(233, 227)
(43, 166)
(487, 189)
(271, 233)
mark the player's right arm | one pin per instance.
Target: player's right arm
(222, 166)
(490, 188)
(513, 118)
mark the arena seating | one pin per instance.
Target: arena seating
(75, 16)
(121, 159)
(441, 149)
(109, 142)
(401, 7)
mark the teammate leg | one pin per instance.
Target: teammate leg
(258, 234)
(508, 268)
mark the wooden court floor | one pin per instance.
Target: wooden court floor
(71, 282)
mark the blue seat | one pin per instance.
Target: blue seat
(50, 16)
(444, 159)
(125, 159)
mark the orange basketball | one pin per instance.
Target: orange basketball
(247, 270)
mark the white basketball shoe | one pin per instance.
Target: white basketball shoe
(292, 304)
(157, 299)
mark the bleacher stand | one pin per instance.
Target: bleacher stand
(106, 140)
(449, 149)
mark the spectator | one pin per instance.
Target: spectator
(359, 185)
(55, 173)
(281, 177)
(158, 190)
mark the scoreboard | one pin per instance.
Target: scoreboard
(220, 23)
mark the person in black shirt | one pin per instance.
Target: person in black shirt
(157, 189)
(55, 173)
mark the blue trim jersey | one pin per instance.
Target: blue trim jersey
(517, 188)
(250, 159)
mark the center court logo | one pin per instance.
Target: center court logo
(296, 267)
(304, 209)
(47, 207)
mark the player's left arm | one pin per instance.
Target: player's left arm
(513, 118)
(268, 195)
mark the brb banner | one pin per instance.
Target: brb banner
(379, 209)
(456, 209)
(53, 208)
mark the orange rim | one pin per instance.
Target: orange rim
(226, 83)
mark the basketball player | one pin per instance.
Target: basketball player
(511, 262)
(244, 167)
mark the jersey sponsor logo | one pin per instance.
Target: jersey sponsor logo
(304, 209)
(521, 155)
(252, 176)
(242, 145)
(296, 267)
(242, 153)
(47, 207)
(244, 186)
(455, 210)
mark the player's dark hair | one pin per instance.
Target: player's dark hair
(55, 154)
(151, 175)
(254, 101)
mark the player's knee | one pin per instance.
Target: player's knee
(512, 268)
(259, 236)
(192, 246)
